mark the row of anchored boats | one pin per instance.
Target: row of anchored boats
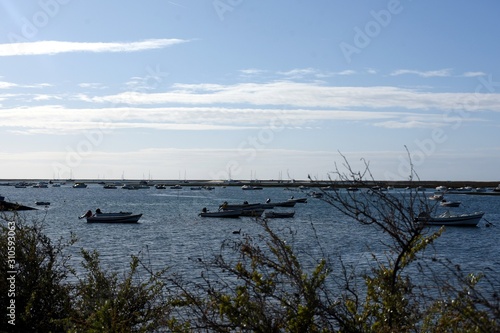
(227, 210)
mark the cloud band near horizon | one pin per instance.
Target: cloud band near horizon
(56, 47)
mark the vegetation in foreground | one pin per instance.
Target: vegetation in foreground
(256, 284)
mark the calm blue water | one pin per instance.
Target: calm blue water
(171, 232)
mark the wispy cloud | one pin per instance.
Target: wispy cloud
(474, 74)
(346, 72)
(7, 85)
(299, 73)
(305, 95)
(56, 47)
(436, 73)
(241, 106)
(92, 85)
(60, 120)
(252, 71)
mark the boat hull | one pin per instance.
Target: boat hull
(114, 218)
(467, 220)
(252, 212)
(223, 214)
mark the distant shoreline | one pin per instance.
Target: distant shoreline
(271, 183)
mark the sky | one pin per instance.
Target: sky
(240, 89)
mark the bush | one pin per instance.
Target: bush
(42, 298)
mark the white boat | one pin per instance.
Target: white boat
(441, 189)
(445, 203)
(436, 196)
(448, 219)
(121, 217)
(176, 187)
(248, 187)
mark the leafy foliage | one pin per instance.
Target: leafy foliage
(42, 298)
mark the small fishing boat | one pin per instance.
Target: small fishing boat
(221, 213)
(248, 187)
(445, 203)
(245, 205)
(42, 203)
(318, 195)
(120, 217)
(436, 196)
(298, 200)
(448, 219)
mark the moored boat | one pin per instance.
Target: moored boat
(298, 200)
(221, 213)
(448, 219)
(245, 205)
(249, 187)
(436, 196)
(445, 203)
(120, 217)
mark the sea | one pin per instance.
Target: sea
(172, 235)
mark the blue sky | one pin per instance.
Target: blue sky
(207, 89)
